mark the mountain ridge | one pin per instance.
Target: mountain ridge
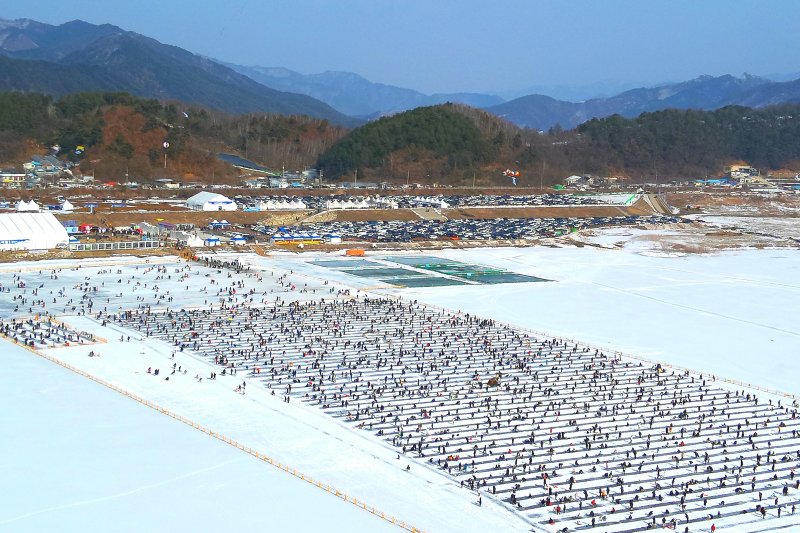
(79, 56)
(704, 93)
(88, 57)
(354, 95)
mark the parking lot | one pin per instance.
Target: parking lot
(407, 201)
(489, 229)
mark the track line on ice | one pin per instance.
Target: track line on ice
(119, 495)
(716, 275)
(519, 259)
(219, 436)
(773, 528)
(683, 306)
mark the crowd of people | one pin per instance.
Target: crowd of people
(561, 432)
(568, 435)
(35, 333)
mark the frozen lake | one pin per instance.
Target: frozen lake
(82, 456)
(733, 314)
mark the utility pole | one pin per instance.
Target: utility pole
(166, 145)
(541, 177)
(408, 176)
(473, 179)
(355, 179)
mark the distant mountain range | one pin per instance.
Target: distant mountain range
(577, 92)
(705, 92)
(356, 96)
(353, 95)
(78, 56)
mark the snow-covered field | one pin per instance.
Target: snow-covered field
(77, 456)
(777, 226)
(81, 454)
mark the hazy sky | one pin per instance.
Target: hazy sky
(465, 45)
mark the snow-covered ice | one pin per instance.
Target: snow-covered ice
(77, 456)
(731, 313)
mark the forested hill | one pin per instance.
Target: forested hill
(688, 141)
(446, 144)
(114, 134)
(436, 132)
(450, 143)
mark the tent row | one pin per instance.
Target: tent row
(361, 203)
(27, 207)
(281, 204)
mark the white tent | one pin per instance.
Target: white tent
(27, 207)
(31, 231)
(67, 206)
(194, 241)
(210, 201)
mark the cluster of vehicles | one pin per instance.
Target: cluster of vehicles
(525, 200)
(489, 229)
(441, 200)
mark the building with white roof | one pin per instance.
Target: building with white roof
(210, 201)
(31, 231)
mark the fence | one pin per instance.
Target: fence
(71, 264)
(114, 245)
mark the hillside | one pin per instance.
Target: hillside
(123, 134)
(451, 144)
(682, 142)
(79, 57)
(705, 93)
(443, 138)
